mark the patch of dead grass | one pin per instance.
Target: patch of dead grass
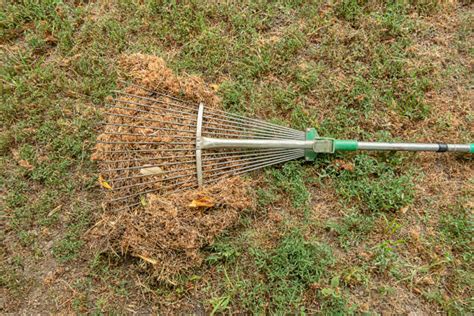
(167, 230)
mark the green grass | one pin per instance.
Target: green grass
(289, 269)
(276, 279)
(376, 186)
(352, 69)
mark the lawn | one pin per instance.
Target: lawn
(349, 233)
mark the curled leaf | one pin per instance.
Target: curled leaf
(203, 202)
(104, 183)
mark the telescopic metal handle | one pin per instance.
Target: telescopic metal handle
(352, 145)
(328, 145)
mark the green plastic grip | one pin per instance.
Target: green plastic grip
(471, 148)
(347, 145)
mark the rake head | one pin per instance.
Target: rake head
(153, 143)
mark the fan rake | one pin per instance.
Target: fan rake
(157, 143)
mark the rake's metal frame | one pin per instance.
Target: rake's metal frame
(199, 144)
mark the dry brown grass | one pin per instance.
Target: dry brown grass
(165, 230)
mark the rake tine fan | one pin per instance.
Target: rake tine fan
(152, 144)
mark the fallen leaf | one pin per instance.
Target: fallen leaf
(149, 260)
(203, 202)
(214, 86)
(404, 209)
(151, 171)
(25, 164)
(342, 165)
(104, 183)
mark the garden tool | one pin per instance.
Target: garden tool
(154, 142)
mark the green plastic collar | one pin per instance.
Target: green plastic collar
(346, 145)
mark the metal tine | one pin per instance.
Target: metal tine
(223, 174)
(152, 92)
(275, 153)
(244, 120)
(224, 114)
(149, 191)
(254, 160)
(149, 120)
(168, 129)
(154, 166)
(143, 143)
(112, 106)
(155, 107)
(250, 160)
(182, 101)
(269, 132)
(144, 167)
(147, 112)
(146, 159)
(257, 159)
(244, 123)
(255, 167)
(213, 125)
(154, 181)
(187, 162)
(148, 150)
(129, 206)
(241, 164)
(249, 150)
(247, 119)
(238, 135)
(255, 132)
(166, 172)
(158, 101)
(149, 127)
(143, 135)
(241, 123)
(237, 172)
(246, 154)
(132, 134)
(142, 176)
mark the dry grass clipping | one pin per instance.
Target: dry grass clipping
(169, 232)
(166, 231)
